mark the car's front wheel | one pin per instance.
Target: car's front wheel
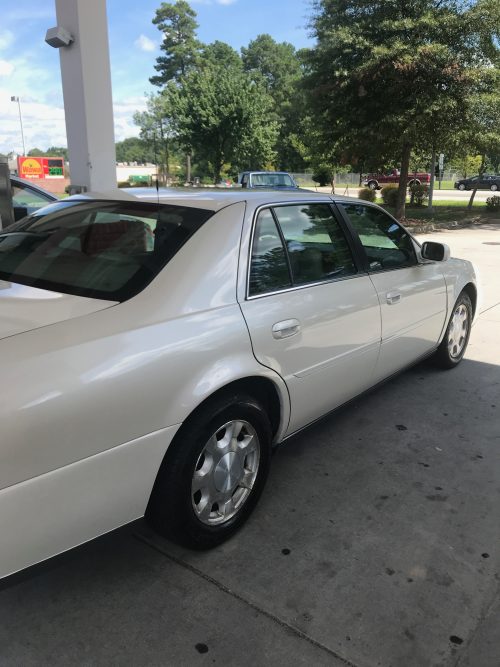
(454, 343)
(461, 186)
(493, 187)
(213, 474)
(373, 185)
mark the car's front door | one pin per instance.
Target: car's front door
(312, 314)
(412, 293)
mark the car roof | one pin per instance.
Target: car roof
(212, 199)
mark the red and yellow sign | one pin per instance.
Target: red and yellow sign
(40, 167)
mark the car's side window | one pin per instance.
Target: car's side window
(28, 198)
(269, 267)
(316, 245)
(387, 244)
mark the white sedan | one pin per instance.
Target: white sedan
(154, 348)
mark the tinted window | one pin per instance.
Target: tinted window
(387, 244)
(28, 198)
(105, 250)
(316, 245)
(268, 268)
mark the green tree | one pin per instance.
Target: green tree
(278, 66)
(157, 131)
(388, 77)
(177, 22)
(220, 54)
(134, 149)
(224, 115)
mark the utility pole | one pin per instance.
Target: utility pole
(15, 98)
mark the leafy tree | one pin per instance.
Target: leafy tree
(469, 164)
(278, 67)
(388, 77)
(220, 54)
(224, 115)
(134, 149)
(52, 151)
(156, 129)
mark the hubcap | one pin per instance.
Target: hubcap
(457, 334)
(225, 472)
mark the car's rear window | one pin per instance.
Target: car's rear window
(99, 249)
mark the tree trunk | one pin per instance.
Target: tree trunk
(188, 168)
(403, 182)
(481, 172)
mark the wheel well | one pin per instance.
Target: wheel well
(471, 291)
(260, 388)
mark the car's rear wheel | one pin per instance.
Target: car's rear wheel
(213, 474)
(454, 343)
(493, 187)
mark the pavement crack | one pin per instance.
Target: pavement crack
(490, 308)
(221, 587)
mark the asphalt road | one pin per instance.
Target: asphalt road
(376, 543)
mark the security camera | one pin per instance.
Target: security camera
(58, 37)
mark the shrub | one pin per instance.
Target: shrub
(419, 193)
(322, 175)
(390, 194)
(367, 194)
(493, 203)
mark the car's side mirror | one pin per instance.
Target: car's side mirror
(437, 252)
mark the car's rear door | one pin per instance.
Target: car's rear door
(312, 313)
(412, 293)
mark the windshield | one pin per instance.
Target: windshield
(272, 181)
(104, 250)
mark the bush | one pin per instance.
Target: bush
(493, 203)
(322, 175)
(419, 193)
(367, 194)
(390, 194)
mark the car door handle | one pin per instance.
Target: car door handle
(286, 328)
(393, 297)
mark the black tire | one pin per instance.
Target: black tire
(171, 508)
(462, 187)
(493, 187)
(373, 185)
(444, 356)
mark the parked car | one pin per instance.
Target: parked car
(484, 182)
(156, 347)
(28, 197)
(375, 181)
(267, 179)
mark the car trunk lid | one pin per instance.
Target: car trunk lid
(24, 308)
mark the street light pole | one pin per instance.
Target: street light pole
(15, 98)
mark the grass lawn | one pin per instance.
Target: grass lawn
(450, 212)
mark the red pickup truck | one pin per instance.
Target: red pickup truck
(375, 181)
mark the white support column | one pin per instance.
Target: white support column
(88, 103)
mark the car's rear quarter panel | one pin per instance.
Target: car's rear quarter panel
(82, 396)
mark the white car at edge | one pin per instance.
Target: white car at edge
(154, 348)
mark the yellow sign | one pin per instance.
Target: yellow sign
(31, 167)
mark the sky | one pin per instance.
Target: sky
(29, 68)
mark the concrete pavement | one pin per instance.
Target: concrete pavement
(376, 543)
